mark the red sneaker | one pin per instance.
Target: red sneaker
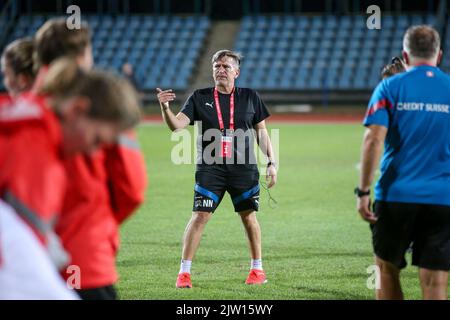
(256, 277)
(184, 280)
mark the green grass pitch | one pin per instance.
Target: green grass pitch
(315, 246)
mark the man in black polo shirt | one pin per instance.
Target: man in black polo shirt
(226, 162)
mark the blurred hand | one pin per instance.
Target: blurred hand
(164, 97)
(271, 176)
(363, 206)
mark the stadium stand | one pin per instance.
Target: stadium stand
(163, 50)
(292, 53)
(319, 52)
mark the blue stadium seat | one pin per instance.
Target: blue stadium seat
(315, 84)
(345, 84)
(331, 22)
(300, 83)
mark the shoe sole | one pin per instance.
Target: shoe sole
(249, 284)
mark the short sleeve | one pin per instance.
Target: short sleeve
(189, 109)
(261, 111)
(379, 105)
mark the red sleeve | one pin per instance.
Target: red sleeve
(32, 178)
(126, 172)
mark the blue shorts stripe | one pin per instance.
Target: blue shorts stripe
(206, 193)
(246, 194)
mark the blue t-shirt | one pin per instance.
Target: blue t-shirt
(414, 106)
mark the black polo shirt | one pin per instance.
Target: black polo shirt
(249, 110)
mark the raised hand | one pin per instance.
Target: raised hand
(164, 97)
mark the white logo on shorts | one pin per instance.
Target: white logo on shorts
(208, 203)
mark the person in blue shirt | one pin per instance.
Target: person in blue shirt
(409, 113)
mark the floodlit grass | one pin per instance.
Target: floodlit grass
(315, 246)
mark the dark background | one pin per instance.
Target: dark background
(225, 9)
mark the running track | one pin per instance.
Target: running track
(292, 118)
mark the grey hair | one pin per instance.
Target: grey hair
(236, 56)
(421, 41)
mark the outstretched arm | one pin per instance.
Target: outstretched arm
(174, 122)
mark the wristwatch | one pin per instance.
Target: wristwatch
(359, 193)
(271, 163)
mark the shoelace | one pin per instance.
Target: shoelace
(185, 276)
(255, 275)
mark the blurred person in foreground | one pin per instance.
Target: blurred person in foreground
(73, 111)
(106, 185)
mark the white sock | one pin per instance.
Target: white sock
(257, 264)
(185, 266)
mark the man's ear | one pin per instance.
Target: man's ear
(405, 57)
(238, 72)
(85, 60)
(76, 107)
(439, 57)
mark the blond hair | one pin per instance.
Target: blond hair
(392, 69)
(236, 56)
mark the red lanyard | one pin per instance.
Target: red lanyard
(219, 112)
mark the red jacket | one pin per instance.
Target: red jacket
(32, 176)
(103, 190)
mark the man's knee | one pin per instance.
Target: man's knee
(387, 268)
(200, 217)
(248, 217)
(433, 278)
